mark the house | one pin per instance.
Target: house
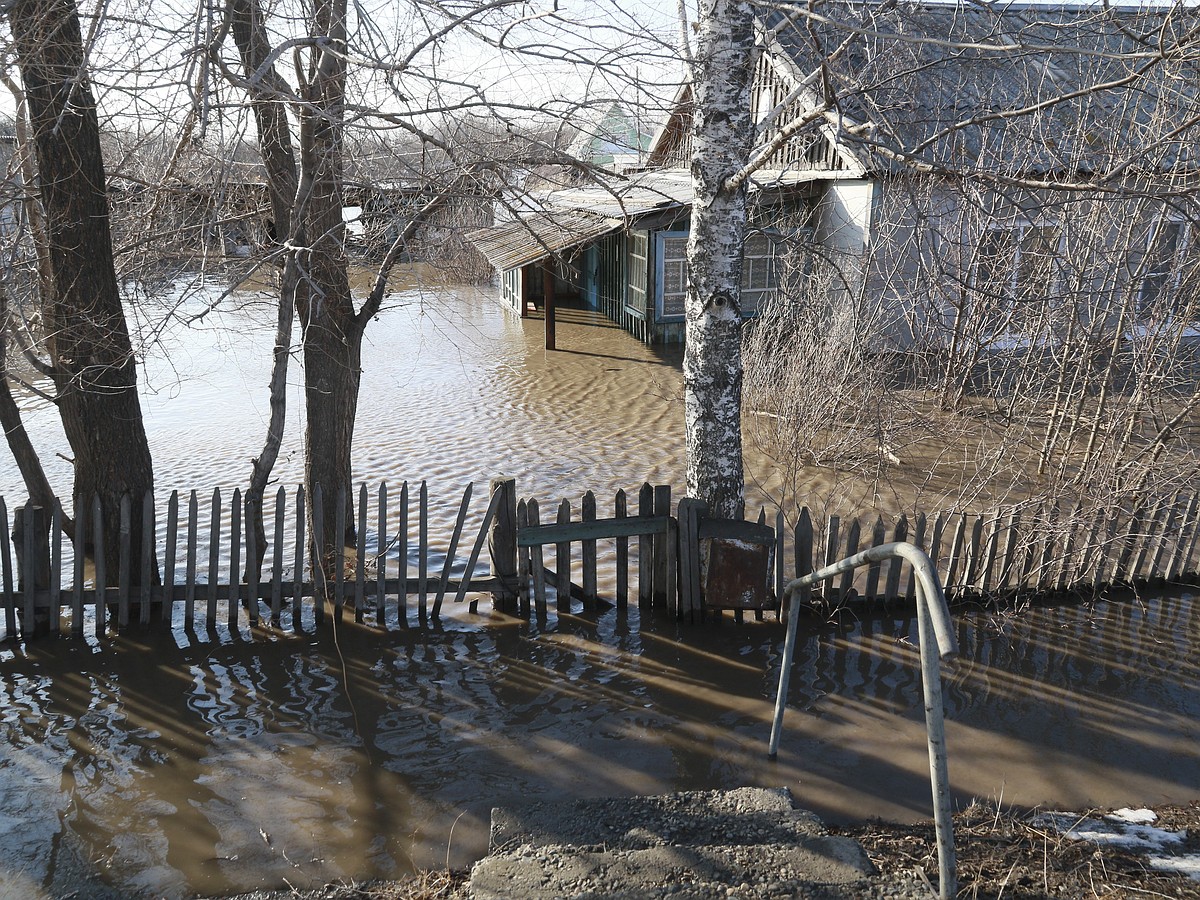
(963, 169)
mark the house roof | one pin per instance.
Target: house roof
(568, 217)
(565, 218)
(1003, 89)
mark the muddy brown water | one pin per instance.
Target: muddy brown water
(166, 763)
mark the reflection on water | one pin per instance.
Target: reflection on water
(262, 759)
(166, 764)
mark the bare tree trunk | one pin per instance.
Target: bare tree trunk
(88, 340)
(722, 133)
(332, 332)
(279, 159)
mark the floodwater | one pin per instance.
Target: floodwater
(162, 763)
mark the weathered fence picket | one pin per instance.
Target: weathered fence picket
(1004, 550)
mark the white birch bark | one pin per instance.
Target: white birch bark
(722, 132)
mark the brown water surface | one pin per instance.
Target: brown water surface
(164, 763)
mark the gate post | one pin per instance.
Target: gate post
(31, 540)
(502, 544)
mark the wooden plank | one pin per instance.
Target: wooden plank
(620, 512)
(1151, 532)
(1028, 545)
(381, 560)
(494, 502)
(853, 537)
(124, 574)
(891, 589)
(100, 564)
(29, 568)
(169, 557)
(1109, 546)
(360, 556)
(149, 543)
(235, 558)
(954, 566)
(1069, 563)
(402, 552)
(1164, 539)
(214, 556)
(562, 558)
(832, 527)
(502, 546)
(524, 566)
(189, 601)
(803, 555)
(277, 558)
(10, 603)
(298, 566)
(688, 549)
(81, 519)
(637, 526)
(878, 537)
(672, 585)
(320, 581)
(1133, 530)
(935, 546)
(253, 581)
(1186, 567)
(731, 529)
(780, 556)
(918, 540)
(1050, 537)
(985, 577)
(423, 552)
(1009, 558)
(56, 537)
(645, 549)
(977, 565)
(1187, 527)
(1091, 567)
(537, 560)
(452, 552)
(664, 578)
(339, 553)
(587, 514)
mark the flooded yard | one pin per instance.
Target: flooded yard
(165, 763)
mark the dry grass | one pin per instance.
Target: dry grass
(1004, 854)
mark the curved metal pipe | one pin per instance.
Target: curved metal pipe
(932, 615)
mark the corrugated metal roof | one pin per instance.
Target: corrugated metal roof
(568, 217)
(538, 235)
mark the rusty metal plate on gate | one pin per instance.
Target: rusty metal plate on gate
(738, 575)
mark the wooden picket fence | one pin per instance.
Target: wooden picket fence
(1041, 550)
(195, 567)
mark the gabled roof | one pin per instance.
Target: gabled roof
(1012, 89)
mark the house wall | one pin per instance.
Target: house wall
(931, 281)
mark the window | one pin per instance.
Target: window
(1165, 248)
(672, 268)
(1015, 274)
(760, 270)
(639, 257)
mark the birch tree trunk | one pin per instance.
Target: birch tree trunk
(722, 133)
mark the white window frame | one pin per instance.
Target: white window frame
(1173, 273)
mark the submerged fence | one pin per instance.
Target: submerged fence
(193, 566)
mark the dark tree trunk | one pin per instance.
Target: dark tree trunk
(332, 331)
(88, 341)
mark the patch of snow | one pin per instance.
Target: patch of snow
(1132, 816)
(1182, 865)
(1123, 828)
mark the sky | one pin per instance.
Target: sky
(558, 52)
